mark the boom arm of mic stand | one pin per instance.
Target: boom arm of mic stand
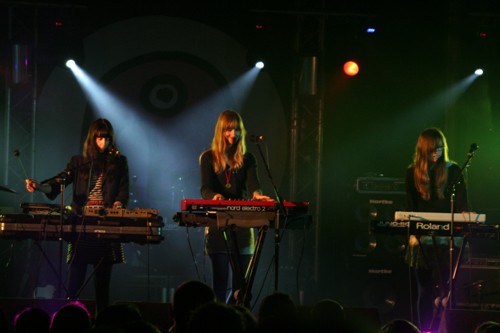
(281, 212)
(276, 193)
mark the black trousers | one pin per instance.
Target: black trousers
(220, 271)
(102, 279)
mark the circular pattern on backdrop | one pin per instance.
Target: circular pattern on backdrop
(164, 95)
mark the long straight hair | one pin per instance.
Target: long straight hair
(222, 153)
(99, 128)
(428, 140)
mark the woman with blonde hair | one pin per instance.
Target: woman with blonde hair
(229, 171)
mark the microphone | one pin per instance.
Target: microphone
(256, 138)
(473, 148)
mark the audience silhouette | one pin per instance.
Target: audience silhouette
(399, 326)
(278, 313)
(31, 320)
(72, 317)
(195, 309)
(4, 321)
(117, 316)
(251, 325)
(216, 317)
(188, 297)
(328, 315)
(488, 327)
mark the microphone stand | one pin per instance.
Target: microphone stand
(451, 300)
(62, 185)
(281, 211)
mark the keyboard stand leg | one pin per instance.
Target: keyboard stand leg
(244, 295)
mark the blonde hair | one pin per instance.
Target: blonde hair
(428, 140)
(221, 152)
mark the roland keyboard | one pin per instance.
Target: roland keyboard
(439, 217)
(437, 224)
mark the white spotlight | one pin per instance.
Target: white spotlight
(70, 63)
(259, 64)
(478, 72)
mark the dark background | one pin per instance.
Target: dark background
(411, 74)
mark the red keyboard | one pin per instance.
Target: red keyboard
(242, 213)
(240, 205)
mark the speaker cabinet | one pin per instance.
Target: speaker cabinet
(377, 276)
(367, 207)
(477, 284)
(478, 287)
(380, 284)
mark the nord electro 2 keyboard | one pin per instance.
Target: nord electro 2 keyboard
(240, 205)
(242, 213)
(224, 214)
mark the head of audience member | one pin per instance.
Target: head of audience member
(117, 315)
(488, 327)
(142, 326)
(251, 325)
(328, 315)
(399, 326)
(216, 318)
(278, 313)
(32, 320)
(188, 297)
(72, 317)
(4, 322)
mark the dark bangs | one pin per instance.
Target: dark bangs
(102, 133)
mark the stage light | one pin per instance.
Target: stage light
(70, 63)
(351, 68)
(370, 30)
(259, 64)
(478, 72)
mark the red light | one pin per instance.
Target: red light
(351, 68)
(482, 34)
(58, 24)
(259, 26)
